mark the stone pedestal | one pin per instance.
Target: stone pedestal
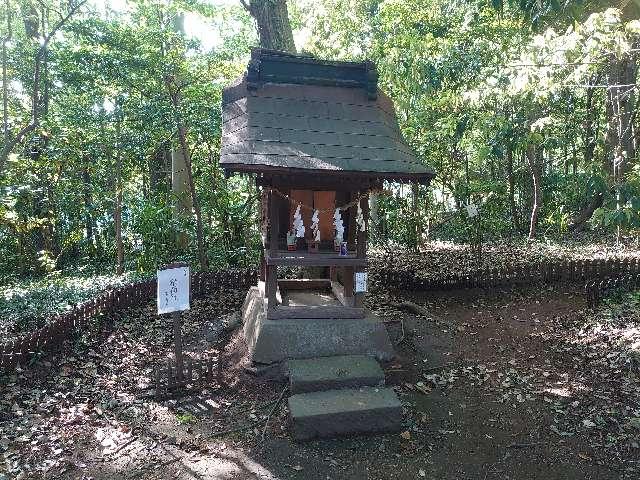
(290, 338)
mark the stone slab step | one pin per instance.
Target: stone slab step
(343, 412)
(332, 373)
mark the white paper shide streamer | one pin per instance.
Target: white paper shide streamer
(298, 224)
(339, 226)
(315, 225)
(360, 219)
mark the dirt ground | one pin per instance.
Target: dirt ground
(502, 384)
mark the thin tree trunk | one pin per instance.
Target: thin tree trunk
(512, 189)
(5, 89)
(34, 119)
(534, 168)
(174, 96)
(272, 20)
(417, 223)
(182, 135)
(86, 193)
(118, 210)
(589, 141)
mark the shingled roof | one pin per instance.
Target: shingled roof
(294, 113)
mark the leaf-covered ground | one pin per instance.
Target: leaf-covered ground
(441, 259)
(521, 384)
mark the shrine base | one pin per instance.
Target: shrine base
(276, 340)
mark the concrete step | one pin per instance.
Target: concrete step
(332, 373)
(343, 412)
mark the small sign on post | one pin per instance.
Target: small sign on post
(360, 284)
(173, 297)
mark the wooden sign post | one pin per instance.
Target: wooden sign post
(173, 297)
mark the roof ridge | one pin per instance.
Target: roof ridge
(274, 66)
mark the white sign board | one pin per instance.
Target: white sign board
(173, 290)
(472, 210)
(361, 282)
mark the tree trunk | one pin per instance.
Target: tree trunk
(589, 141)
(534, 168)
(512, 189)
(5, 93)
(417, 223)
(589, 130)
(202, 257)
(621, 148)
(272, 21)
(34, 119)
(117, 217)
(183, 204)
(159, 167)
(86, 194)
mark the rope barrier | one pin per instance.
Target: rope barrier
(346, 206)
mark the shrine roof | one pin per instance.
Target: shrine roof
(297, 114)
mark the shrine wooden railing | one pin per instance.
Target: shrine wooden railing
(60, 328)
(598, 277)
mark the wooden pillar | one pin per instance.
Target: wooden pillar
(351, 223)
(271, 283)
(362, 236)
(333, 274)
(347, 281)
(358, 300)
(274, 222)
(263, 267)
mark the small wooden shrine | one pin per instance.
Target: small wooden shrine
(319, 136)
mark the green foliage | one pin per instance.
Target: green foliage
(476, 86)
(28, 303)
(106, 98)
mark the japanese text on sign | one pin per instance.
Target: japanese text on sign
(173, 290)
(361, 282)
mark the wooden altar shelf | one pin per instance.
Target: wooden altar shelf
(306, 259)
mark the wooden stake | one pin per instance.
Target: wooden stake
(177, 338)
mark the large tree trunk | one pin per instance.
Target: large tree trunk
(620, 142)
(183, 203)
(159, 167)
(272, 20)
(534, 168)
(589, 142)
